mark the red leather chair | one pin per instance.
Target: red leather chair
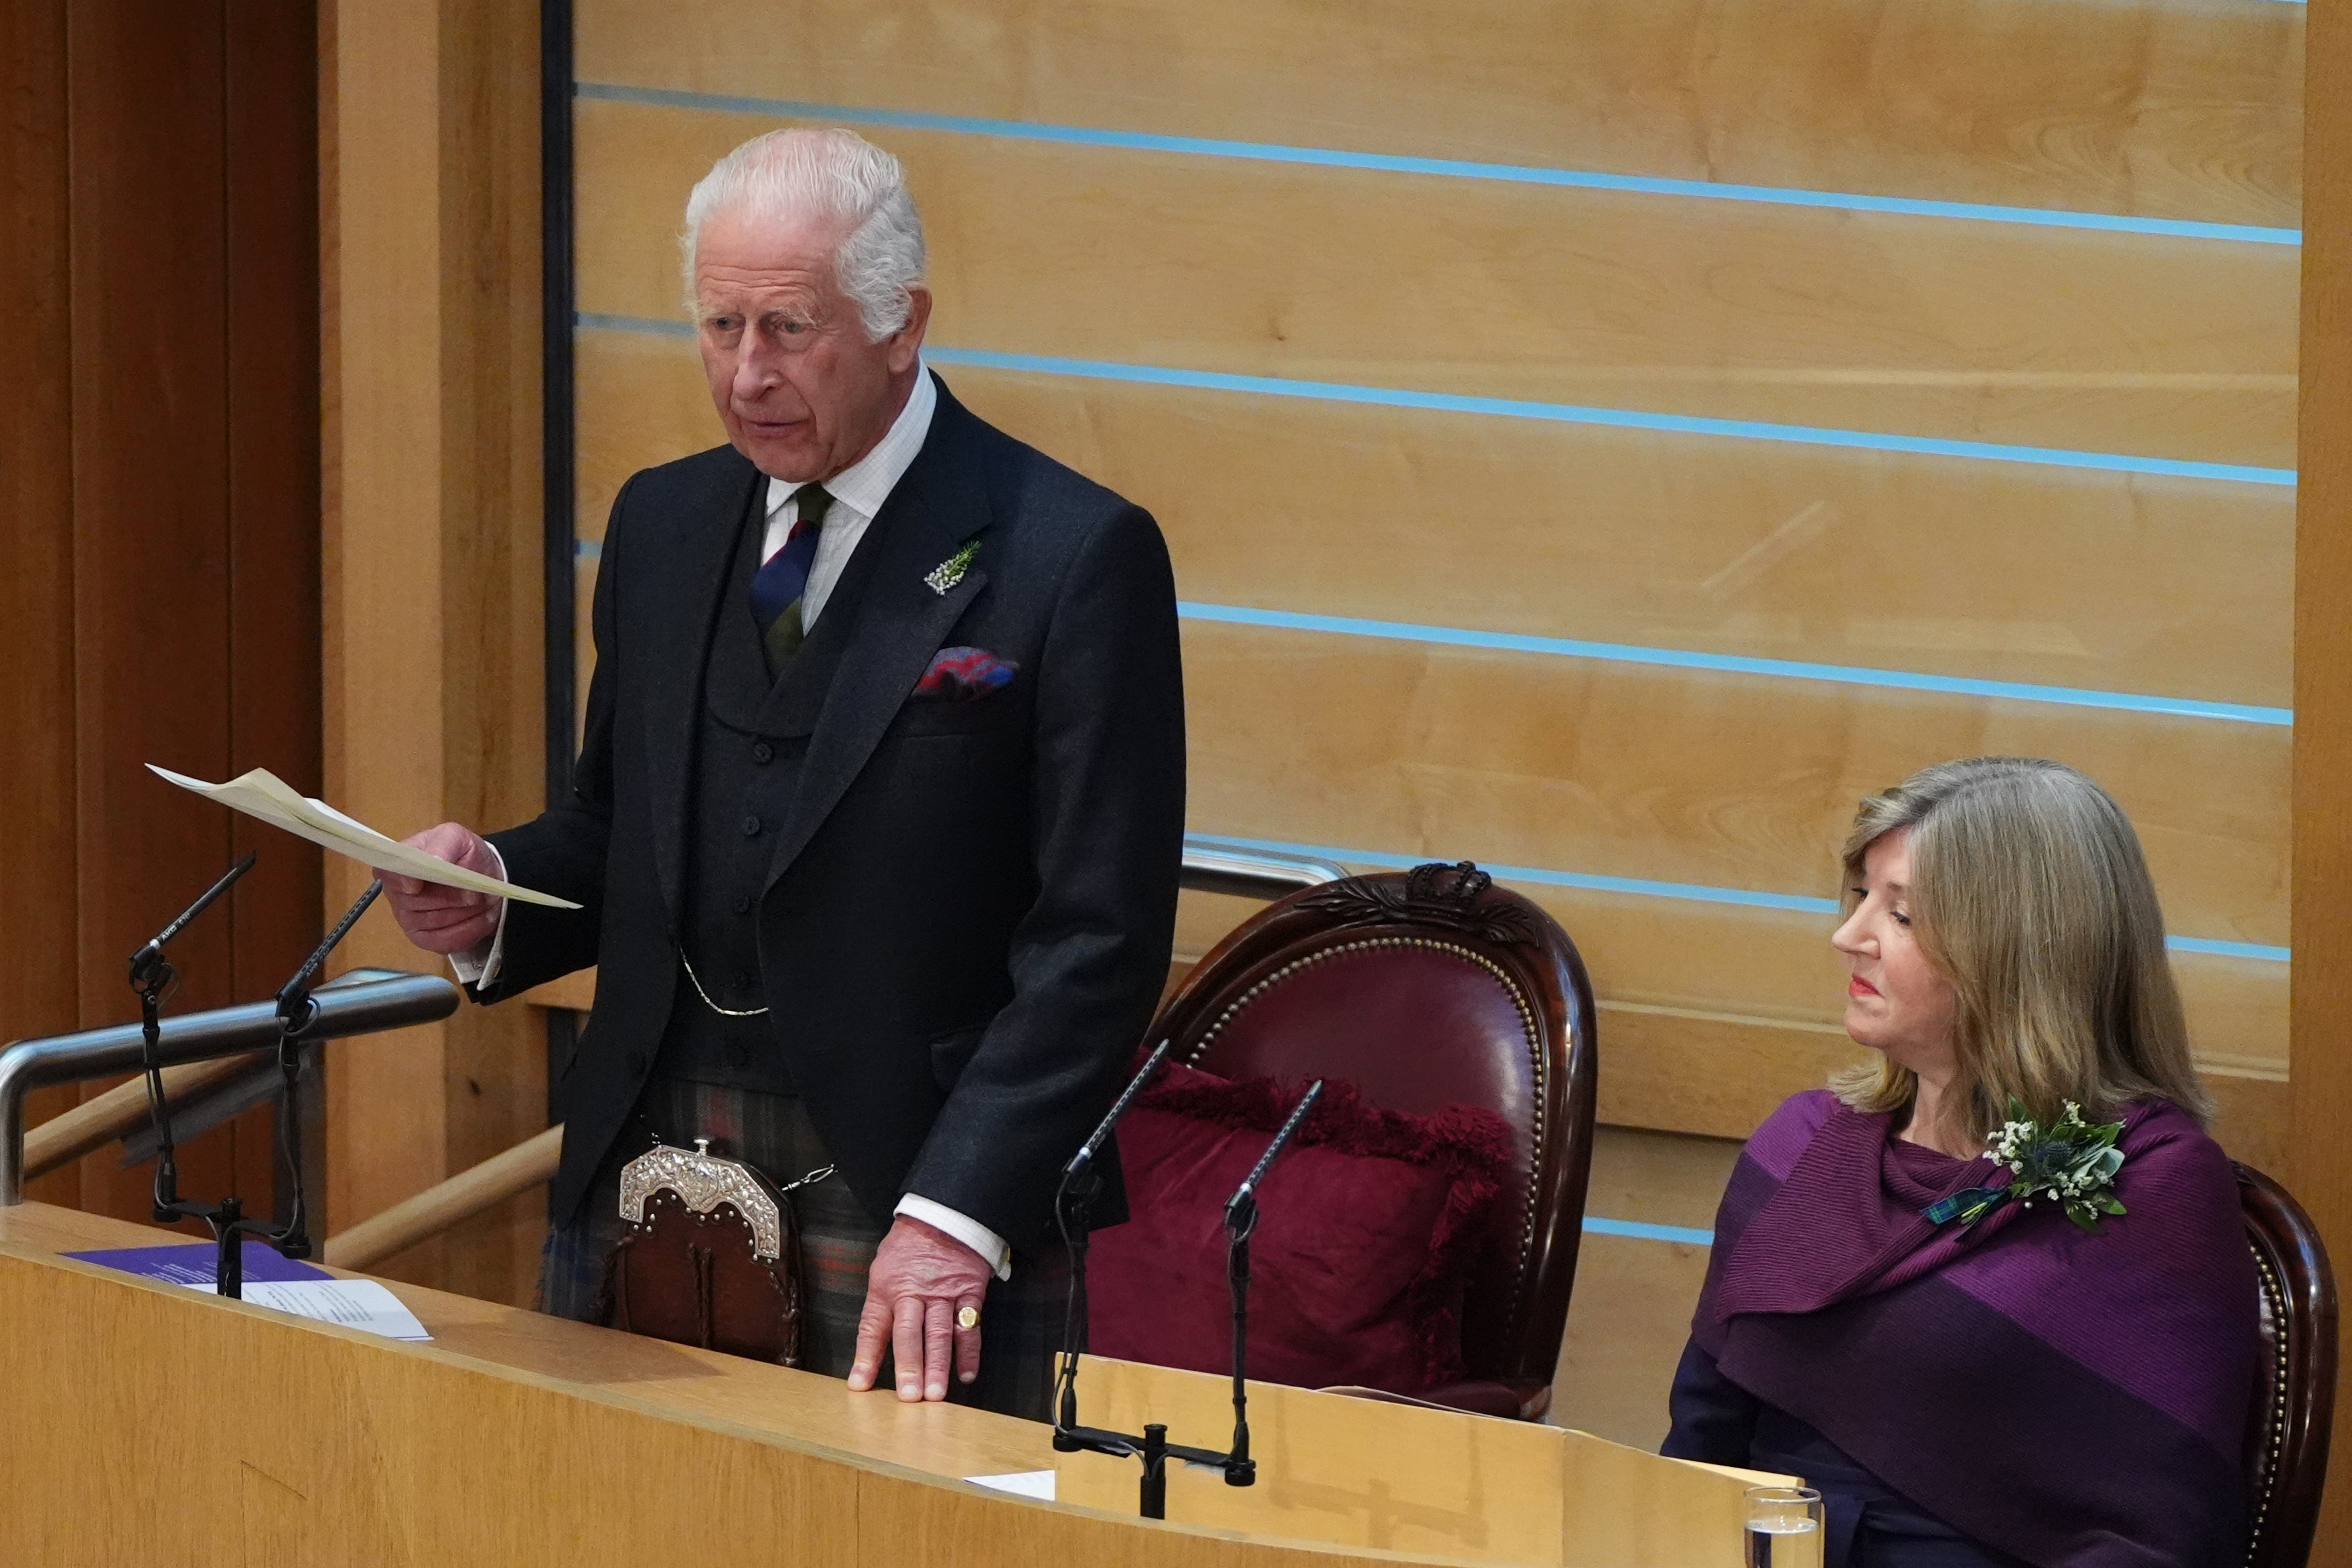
(1424, 989)
(2294, 1391)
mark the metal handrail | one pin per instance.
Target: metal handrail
(229, 1031)
(363, 1001)
(1251, 873)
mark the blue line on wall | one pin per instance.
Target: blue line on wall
(1640, 887)
(643, 326)
(1450, 168)
(1596, 1226)
(1515, 408)
(1676, 658)
(1730, 663)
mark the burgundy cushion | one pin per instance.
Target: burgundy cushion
(1372, 1223)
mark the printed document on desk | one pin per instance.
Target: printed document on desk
(361, 1304)
(267, 798)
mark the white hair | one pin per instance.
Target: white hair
(831, 174)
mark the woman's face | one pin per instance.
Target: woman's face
(1896, 1001)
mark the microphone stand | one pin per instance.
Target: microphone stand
(152, 979)
(1241, 1222)
(1072, 1205)
(296, 1013)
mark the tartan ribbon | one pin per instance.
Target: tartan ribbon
(1968, 1206)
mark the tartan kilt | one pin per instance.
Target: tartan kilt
(1020, 1321)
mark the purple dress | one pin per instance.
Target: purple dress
(2017, 1392)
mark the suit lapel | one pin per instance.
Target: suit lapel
(939, 505)
(695, 563)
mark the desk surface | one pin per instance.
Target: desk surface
(943, 1439)
(148, 1424)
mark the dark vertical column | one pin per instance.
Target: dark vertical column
(151, 511)
(556, 435)
(271, 240)
(37, 987)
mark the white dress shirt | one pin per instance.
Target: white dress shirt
(857, 492)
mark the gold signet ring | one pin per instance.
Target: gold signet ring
(968, 1318)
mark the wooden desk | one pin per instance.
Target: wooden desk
(147, 1424)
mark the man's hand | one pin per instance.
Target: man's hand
(439, 919)
(921, 1279)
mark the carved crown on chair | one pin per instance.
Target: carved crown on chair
(1432, 893)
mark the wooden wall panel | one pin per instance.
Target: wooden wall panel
(1758, 549)
(2320, 1160)
(1987, 331)
(161, 540)
(271, 197)
(38, 987)
(2187, 109)
(150, 517)
(433, 598)
(1679, 775)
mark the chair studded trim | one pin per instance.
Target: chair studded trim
(1528, 1031)
(2281, 1391)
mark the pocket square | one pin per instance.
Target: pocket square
(963, 673)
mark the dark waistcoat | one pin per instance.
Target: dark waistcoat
(748, 746)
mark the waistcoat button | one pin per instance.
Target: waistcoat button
(751, 826)
(763, 752)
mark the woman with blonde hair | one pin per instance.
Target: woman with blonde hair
(1989, 1292)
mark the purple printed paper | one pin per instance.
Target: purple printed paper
(193, 1264)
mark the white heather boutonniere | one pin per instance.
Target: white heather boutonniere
(2069, 1163)
(950, 572)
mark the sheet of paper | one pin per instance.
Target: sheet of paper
(266, 797)
(193, 1264)
(361, 1304)
(1038, 1484)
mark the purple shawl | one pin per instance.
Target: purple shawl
(2076, 1401)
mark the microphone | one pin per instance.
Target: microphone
(294, 1008)
(147, 966)
(1101, 1135)
(1241, 1209)
(1240, 1221)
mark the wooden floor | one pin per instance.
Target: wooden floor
(1631, 1310)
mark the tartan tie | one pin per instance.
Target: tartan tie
(777, 587)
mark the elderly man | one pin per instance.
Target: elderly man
(879, 803)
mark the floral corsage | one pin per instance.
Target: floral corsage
(2069, 1163)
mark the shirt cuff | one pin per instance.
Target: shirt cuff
(970, 1231)
(479, 966)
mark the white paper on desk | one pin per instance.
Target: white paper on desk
(361, 1304)
(1038, 1484)
(267, 798)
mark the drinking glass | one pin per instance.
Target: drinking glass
(1784, 1527)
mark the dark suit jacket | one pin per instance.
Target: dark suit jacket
(969, 906)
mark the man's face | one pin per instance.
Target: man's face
(802, 391)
